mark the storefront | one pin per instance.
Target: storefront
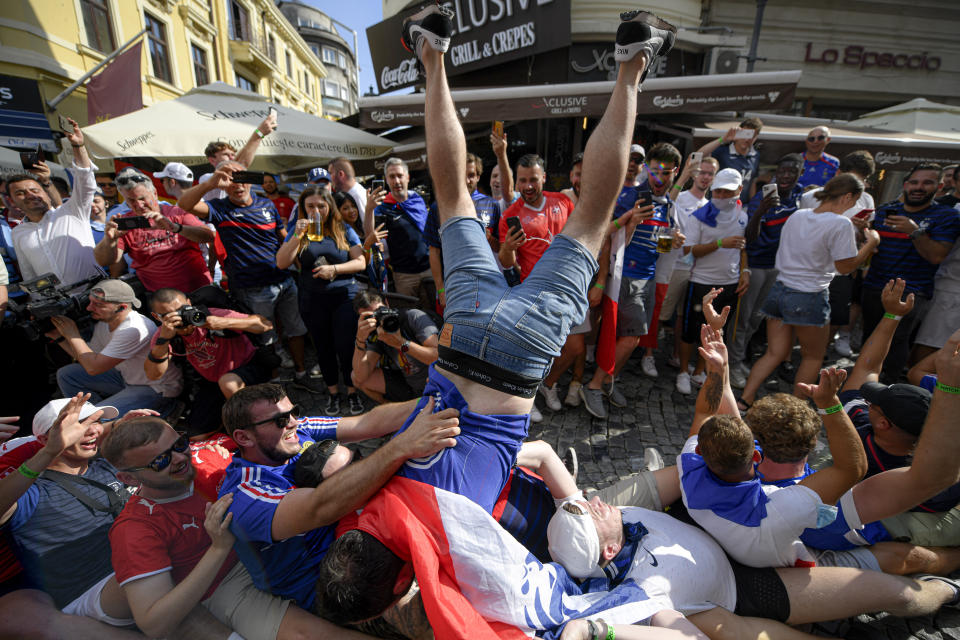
(23, 124)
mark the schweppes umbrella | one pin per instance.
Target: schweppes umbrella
(180, 129)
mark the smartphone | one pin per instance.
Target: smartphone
(273, 112)
(863, 214)
(132, 222)
(769, 188)
(744, 134)
(248, 177)
(498, 128)
(513, 223)
(644, 198)
(376, 184)
(65, 124)
(30, 158)
(696, 158)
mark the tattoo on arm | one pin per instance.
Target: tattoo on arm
(713, 388)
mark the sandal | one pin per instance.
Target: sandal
(743, 406)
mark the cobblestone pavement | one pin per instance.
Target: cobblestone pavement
(657, 415)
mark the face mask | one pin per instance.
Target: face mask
(724, 204)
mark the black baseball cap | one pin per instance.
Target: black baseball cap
(904, 405)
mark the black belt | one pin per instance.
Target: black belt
(486, 374)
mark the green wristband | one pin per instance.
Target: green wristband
(27, 472)
(948, 389)
(597, 285)
(441, 290)
(892, 316)
(617, 224)
(829, 411)
(720, 139)
(719, 243)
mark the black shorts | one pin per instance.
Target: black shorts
(693, 309)
(841, 293)
(397, 388)
(760, 593)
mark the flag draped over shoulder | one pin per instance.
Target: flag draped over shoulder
(477, 581)
(607, 340)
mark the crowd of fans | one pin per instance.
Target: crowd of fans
(173, 488)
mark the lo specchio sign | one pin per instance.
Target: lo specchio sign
(486, 32)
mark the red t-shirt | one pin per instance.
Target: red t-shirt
(150, 537)
(539, 225)
(211, 356)
(210, 465)
(164, 258)
(13, 453)
(284, 206)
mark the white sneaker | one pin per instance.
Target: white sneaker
(699, 379)
(683, 383)
(842, 345)
(653, 459)
(738, 375)
(551, 397)
(535, 415)
(286, 361)
(649, 366)
(591, 352)
(573, 394)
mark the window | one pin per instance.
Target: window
(331, 89)
(159, 51)
(96, 19)
(342, 59)
(245, 83)
(239, 22)
(315, 49)
(272, 47)
(329, 56)
(344, 94)
(306, 83)
(200, 74)
(286, 55)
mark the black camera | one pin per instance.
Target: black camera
(46, 298)
(387, 319)
(197, 316)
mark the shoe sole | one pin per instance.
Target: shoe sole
(586, 405)
(616, 403)
(546, 401)
(410, 30)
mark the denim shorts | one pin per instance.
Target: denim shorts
(277, 303)
(800, 308)
(520, 329)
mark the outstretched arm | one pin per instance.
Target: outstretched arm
(849, 458)
(715, 396)
(384, 419)
(874, 350)
(265, 128)
(539, 457)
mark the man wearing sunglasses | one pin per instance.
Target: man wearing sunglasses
(818, 166)
(173, 549)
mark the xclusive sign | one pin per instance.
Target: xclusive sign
(857, 56)
(486, 32)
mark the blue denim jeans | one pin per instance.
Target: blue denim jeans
(520, 329)
(801, 308)
(109, 389)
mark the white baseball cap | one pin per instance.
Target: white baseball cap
(177, 171)
(636, 148)
(43, 421)
(573, 541)
(727, 179)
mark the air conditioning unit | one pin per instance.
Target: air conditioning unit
(726, 60)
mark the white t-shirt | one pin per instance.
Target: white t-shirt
(62, 242)
(776, 541)
(809, 245)
(680, 565)
(685, 204)
(130, 342)
(723, 265)
(359, 196)
(865, 201)
(215, 193)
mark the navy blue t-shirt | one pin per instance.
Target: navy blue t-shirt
(328, 250)
(762, 252)
(252, 236)
(488, 210)
(896, 257)
(747, 165)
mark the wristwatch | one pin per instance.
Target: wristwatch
(405, 346)
(161, 340)
(917, 232)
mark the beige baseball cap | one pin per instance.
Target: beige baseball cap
(573, 541)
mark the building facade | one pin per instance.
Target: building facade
(339, 88)
(46, 45)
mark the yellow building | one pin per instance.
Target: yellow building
(246, 43)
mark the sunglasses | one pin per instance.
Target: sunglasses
(816, 138)
(162, 461)
(106, 184)
(280, 419)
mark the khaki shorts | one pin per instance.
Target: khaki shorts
(638, 490)
(926, 529)
(247, 610)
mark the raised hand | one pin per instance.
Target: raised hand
(712, 349)
(948, 362)
(716, 321)
(8, 427)
(218, 526)
(891, 298)
(824, 393)
(68, 429)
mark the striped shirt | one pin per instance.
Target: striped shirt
(818, 172)
(252, 237)
(762, 252)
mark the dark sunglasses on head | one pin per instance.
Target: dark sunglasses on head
(280, 419)
(816, 138)
(162, 461)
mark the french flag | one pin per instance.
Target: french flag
(477, 581)
(607, 340)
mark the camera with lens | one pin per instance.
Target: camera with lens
(191, 315)
(46, 298)
(388, 319)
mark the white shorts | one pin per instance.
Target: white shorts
(88, 604)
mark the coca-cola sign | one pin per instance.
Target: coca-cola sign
(486, 33)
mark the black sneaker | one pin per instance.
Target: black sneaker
(356, 404)
(641, 31)
(333, 405)
(432, 25)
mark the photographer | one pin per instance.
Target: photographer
(227, 362)
(393, 349)
(110, 366)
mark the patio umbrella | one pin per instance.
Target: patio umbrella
(179, 130)
(10, 164)
(916, 116)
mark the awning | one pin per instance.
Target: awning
(891, 150)
(772, 90)
(916, 116)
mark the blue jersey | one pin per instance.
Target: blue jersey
(486, 450)
(762, 252)
(526, 510)
(747, 165)
(640, 255)
(818, 172)
(286, 568)
(896, 257)
(251, 235)
(488, 210)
